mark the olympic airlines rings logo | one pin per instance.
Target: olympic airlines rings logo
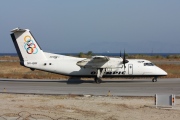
(29, 45)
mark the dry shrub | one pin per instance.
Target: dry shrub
(9, 58)
(173, 57)
(173, 70)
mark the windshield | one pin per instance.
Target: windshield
(148, 64)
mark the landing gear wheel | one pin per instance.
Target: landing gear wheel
(154, 80)
(97, 80)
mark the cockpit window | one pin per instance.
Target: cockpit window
(148, 64)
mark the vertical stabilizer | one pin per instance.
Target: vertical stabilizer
(26, 45)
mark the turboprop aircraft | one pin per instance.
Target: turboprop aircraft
(32, 56)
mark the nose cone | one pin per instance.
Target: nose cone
(164, 73)
(161, 72)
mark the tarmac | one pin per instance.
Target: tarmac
(115, 87)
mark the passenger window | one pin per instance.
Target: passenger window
(107, 72)
(93, 72)
(115, 72)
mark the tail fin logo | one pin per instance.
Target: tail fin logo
(29, 45)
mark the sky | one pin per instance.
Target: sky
(73, 26)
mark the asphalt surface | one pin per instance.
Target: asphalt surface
(122, 87)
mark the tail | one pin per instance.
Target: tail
(26, 45)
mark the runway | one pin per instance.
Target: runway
(122, 87)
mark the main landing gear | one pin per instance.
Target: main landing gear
(100, 72)
(97, 80)
(154, 79)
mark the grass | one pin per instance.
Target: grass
(12, 69)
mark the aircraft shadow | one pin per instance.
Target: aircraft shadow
(80, 81)
(77, 81)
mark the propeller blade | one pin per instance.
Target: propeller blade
(124, 57)
(120, 54)
(124, 60)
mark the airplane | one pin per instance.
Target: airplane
(32, 56)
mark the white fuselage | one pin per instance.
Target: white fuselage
(67, 65)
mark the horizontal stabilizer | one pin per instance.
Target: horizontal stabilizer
(18, 30)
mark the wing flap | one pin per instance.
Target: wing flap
(94, 62)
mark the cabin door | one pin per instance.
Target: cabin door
(130, 69)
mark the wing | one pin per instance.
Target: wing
(94, 62)
(100, 59)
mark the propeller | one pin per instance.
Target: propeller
(124, 60)
(120, 54)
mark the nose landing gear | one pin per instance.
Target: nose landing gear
(154, 79)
